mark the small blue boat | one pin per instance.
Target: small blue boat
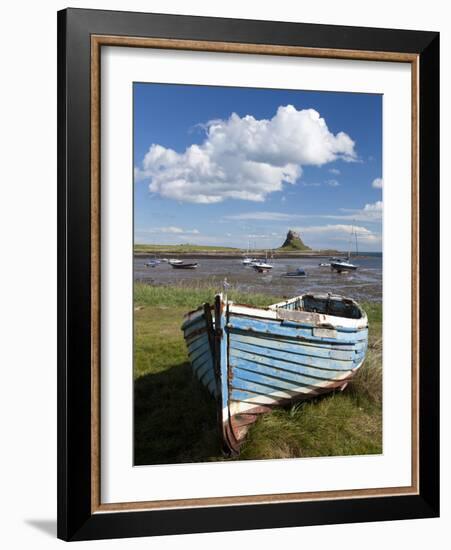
(153, 262)
(254, 359)
(297, 274)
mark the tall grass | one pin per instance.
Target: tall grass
(192, 296)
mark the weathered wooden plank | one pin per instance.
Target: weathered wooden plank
(277, 328)
(193, 327)
(263, 389)
(195, 344)
(204, 348)
(328, 351)
(192, 317)
(295, 366)
(303, 318)
(291, 357)
(208, 375)
(298, 377)
(257, 398)
(271, 381)
(201, 365)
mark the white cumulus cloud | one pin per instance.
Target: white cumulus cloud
(371, 212)
(375, 207)
(172, 229)
(339, 232)
(378, 183)
(244, 158)
(261, 216)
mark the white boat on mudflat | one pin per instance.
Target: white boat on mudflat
(249, 261)
(262, 267)
(253, 359)
(342, 265)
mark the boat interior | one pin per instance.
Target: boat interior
(335, 306)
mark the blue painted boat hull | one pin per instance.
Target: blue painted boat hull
(254, 359)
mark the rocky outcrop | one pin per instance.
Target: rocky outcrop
(293, 241)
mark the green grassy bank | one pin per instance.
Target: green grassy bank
(207, 250)
(180, 248)
(175, 417)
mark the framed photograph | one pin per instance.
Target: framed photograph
(248, 274)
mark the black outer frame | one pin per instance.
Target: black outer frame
(75, 520)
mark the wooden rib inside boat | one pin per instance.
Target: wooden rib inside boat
(254, 359)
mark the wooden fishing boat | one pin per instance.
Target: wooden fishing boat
(183, 265)
(253, 359)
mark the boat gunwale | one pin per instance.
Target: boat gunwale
(325, 321)
(191, 317)
(299, 337)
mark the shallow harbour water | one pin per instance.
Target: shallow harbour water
(364, 284)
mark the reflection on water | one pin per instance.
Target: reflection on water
(363, 284)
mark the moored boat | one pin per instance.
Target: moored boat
(248, 261)
(174, 261)
(183, 265)
(262, 267)
(254, 359)
(342, 265)
(152, 261)
(297, 274)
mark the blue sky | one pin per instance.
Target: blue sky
(221, 166)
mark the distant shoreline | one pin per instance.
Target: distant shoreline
(239, 254)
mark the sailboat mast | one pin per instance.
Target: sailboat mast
(350, 241)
